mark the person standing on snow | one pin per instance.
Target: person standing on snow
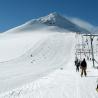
(83, 67)
(77, 64)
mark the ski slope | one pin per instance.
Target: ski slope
(47, 54)
(37, 61)
(48, 73)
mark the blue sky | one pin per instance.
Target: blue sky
(16, 12)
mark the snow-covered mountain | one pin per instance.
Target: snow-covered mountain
(53, 21)
(39, 63)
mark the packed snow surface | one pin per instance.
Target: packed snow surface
(44, 69)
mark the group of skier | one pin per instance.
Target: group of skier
(81, 65)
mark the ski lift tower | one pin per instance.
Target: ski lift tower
(91, 41)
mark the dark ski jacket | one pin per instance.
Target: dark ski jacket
(83, 63)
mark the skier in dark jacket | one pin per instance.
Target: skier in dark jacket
(77, 64)
(83, 67)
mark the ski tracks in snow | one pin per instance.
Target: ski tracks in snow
(64, 83)
(60, 83)
(86, 86)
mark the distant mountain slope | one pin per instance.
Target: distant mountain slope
(52, 21)
(83, 24)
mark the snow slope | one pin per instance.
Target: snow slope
(37, 61)
(14, 45)
(83, 24)
(48, 73)
(48, 54)
(59, 83)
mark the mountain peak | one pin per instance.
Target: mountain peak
(50, 19)
(53, 20)
(54, 14)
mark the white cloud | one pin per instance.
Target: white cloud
(82, 23)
